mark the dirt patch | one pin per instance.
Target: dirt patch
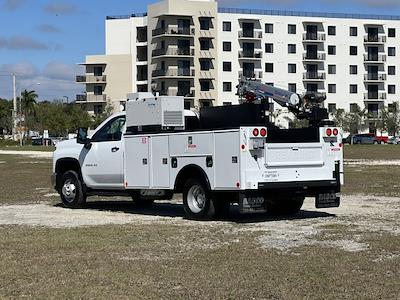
(341, 228)
(371, 162)
(33, 154)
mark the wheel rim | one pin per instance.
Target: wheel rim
(69, 191)
(196, 198)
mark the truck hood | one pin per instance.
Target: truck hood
(67, 144)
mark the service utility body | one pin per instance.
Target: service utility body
(223, 155)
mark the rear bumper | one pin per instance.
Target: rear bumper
(308, 188)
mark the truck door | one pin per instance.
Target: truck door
(102, 163)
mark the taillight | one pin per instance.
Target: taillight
(335, 132)
(255, 132)
(263, 132)
(329, 132)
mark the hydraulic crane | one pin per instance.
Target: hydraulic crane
(307, 106)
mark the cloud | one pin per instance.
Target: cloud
(48, 28)
(57, 79)
(13, 4)
(18, 42)
(59, 8)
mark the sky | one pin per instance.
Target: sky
(42, 41)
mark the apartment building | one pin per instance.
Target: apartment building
(195, 49)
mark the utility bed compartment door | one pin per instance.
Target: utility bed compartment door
(296, 154)
(159, 162)
(137, 162)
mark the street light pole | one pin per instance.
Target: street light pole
(14, 129)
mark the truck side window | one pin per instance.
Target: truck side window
(111, 131)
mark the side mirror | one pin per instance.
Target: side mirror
(82, 138)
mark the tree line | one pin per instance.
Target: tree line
(57, 117)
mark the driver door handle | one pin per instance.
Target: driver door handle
(114, 149)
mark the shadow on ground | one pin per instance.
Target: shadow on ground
(173, 210)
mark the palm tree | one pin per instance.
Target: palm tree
(28, 100)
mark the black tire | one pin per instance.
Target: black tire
(284, 205)
(197, 201)
(71, 190)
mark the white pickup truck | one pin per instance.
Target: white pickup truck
(157, 149)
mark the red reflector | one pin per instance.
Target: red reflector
(238, 184)
(335, 131)
(243, 147)
(329, 132)
(340, 145)
(255, 132)
(263, 132)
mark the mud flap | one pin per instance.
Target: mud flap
(251, 204)
(326, 200)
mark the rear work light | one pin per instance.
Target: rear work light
(263, 132)
(328, 132)
(335, 132)
(255, 132)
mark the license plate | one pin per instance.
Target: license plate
(327, 200)
(255, 204)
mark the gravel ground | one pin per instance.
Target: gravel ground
(358, 214)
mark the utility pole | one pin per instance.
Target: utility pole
(14, 129)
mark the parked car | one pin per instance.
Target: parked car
(41, 141)
(394, 140)
(348, 139)
(369, 138)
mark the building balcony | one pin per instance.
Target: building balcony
(314, 57)
(374, 115)
(177, 92)
(173, 52)
(243, 34)
(374, 39)
(206, 95)
(314, 37)
(375, 77)
(206, 34)
(173, 73)
(206, 54)
(206, 75)
(314, 76)
(250, 55)
(91, 79)
(379, 96)
(375, 59)
(91, 98)
(174, 31)
(251, 74)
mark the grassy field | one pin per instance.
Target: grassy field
(28, 148)
(211, 260)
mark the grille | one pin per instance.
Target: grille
(173, 118)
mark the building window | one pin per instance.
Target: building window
(291, 68)
(392, 70)
(204, 85)
(391, 89)
(392, 32)
(332, 108)
(204, 65)
(331, 50)
(227, 66)
(269, 67)
(331, 30)
(98, 90)
(391, 51)
(269, 48)
(226, 103)
(353, 88)
(98, 71)
(226, 26)
(353, 107)
(353, 69)
(227, 86)
(292, 87)
(392, 107)
(353, 50)
(269, 28)
(292, 29)
(204, 44)
(332, 88)
(292, 48)
(353, 31)
(226, 46)
(331, 69)
(205, 24)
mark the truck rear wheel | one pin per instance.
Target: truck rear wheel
(197, 201)
(71, 190)
(287, 205)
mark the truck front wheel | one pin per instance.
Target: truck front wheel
(197, 200)
(71, 190)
